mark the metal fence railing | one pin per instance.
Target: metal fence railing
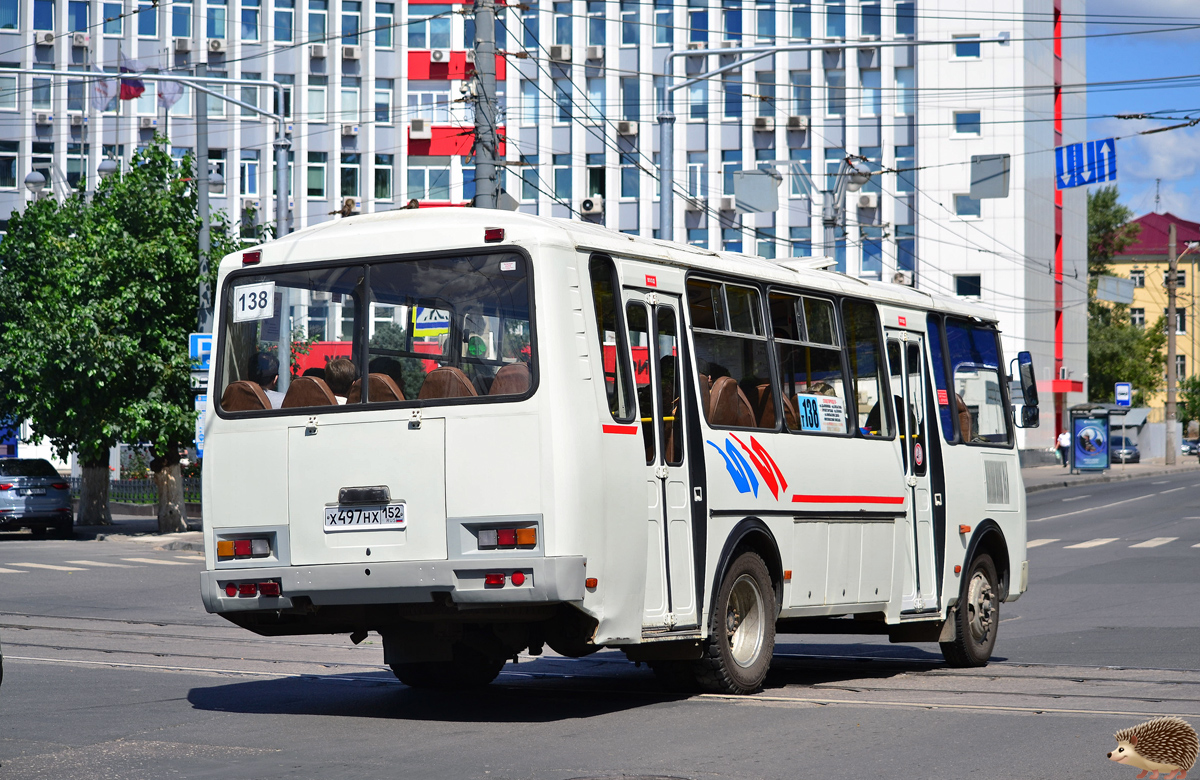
(139, 491)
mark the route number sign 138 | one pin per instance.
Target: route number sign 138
(254, 302)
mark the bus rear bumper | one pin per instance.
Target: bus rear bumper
(545, 580)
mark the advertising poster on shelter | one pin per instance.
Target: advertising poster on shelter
(1091, 443)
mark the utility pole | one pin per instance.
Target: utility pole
(1172, 265)
(204, 314)
(486, 142)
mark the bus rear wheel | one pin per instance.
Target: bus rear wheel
(977, 616)
(467, 668)
(741, 638)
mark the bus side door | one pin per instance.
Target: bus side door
(906, 361)
(655, 325)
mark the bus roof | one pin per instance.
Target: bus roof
(387, 233)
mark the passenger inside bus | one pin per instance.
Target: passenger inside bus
(339, 376)
(266, 373)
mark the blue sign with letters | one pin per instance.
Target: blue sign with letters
(1123, 392)
(1085, 163)
(200, 350)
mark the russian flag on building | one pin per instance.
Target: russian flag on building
(131, 88)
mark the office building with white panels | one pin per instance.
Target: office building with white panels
(378, 101)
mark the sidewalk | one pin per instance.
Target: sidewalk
(140, 528)
(1041, 478)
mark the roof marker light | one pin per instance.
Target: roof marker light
(253, 257)
(493, 235)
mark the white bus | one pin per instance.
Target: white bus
(578, 438)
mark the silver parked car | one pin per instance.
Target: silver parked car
(33, 495)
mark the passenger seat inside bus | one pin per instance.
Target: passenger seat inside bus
(728, 405)
(764, 407)
(383, 389)
(446, 382)
(512, 379)
(308, 391)
(244, 396)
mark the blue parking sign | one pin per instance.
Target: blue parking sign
(200, 350)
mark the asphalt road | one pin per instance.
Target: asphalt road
(114, 670)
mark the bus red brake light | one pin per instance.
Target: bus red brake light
(242, 548)
(506, 537)
(252, 258)
(248, 589)
(231, 589)
(494, 579)
(518, 578)
(268, 588)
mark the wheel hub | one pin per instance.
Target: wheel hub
(980, 609)
(745, 624)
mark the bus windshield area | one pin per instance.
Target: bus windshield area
(420, 330)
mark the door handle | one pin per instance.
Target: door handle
(661, 472)
(937, 499)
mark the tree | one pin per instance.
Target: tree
(96, 301)
(1118, 350)
(1189, 400)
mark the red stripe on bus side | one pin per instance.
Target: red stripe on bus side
(848, 499)
(631, 429)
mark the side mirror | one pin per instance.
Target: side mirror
(1029, 393)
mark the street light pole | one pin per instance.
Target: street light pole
(486, 141)
(1172, 264)
(745, 55)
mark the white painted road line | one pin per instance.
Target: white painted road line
(1095, 509)
(1076, 498)
(1172, 490)
(1089, 543)
(156, 561)
(1157, 541)
(18, 571)
(103, 564)
(1161, 482)
(47, 566)
(1196, 545)
(197, 558)
(1040, 542)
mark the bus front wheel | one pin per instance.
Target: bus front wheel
(741, 639)
(467, 668)
(976, 617)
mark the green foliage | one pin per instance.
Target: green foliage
(96, 301)
(389, 335)
(1118, 351)
(1189, 400)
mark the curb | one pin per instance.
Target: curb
(180, 545)
(1101, 478)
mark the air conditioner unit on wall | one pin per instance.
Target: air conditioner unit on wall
(349, 130)
(727, 203)
(868, 200)
(80, 40)
(592, 205)
(694, 204)
(249, 203)
(797, 123)
(470, 55)
(626, 127)
(595, 53)
(183, 45)
(78, 120)
(317, 51)
(439, 55)
(764, 124)
(696, 45)
(560, 53)
(904, 278)
(43, 118)
(420, 130)
(352, 52)
(216, 45)
(44, 38)
(147, 122)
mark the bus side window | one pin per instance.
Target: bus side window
(977, 375)
(865, 355)
(639, 342)
(810, 364)
(614, 349)
(937, 355)
(732, 355)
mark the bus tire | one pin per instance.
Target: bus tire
(977, 616)
(468, 668)
(741, 637)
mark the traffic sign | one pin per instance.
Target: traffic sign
(1124, 394)
(201, 406)
(200, 350)
(1085, 163)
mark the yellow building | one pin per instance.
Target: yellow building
(1145, 262)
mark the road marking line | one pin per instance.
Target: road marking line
(155, 560)
(191, 558)
(102, 563)
(1172, 490)
(1082, 511)
(1196, 545)
(1157, 541)
(1161, 482)
(1040, 542)
(18, 571)
(1076, 498)
(1090, 543)
(48, 566)
(1191, 518)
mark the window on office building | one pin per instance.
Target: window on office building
(561, 174)
(631, 102)
(595, 101)
(872, 91)
(800, 185)
(870, 20)
(664, 33)
(9, 14)
(630, 26)
(316, 100)
(284, 20)
(562, 100)
(698, 102)
(217, 18)
(9, 151)
(76, 160)
(248, 173)
(248, 94)
(216, 160)
(288, 81)
(564, 24)
(906, 92)
(595, 23)
(529, 102)
(383, 176)
(43, 14)
(529, 177)
(801, 238)
(351, 21)
(698, 237)
(1180, 368)
(731, 19)
(969, 285)
(801, 14)
(801, 81)
(318, 19)
(41, 93)
(429, 100)
(697, 172)
(77, 16)
(872, 252)
(731, 239)
(835, 19)
(1137, 317)
(765, 237)
(595, 184)
(181, 20)
(629, 175)
(8, 93)
(967, 123)
(835, 88)
(112, 20)
(428, 178)
(966, 47)
(385, 18)
(429, 26)
(764, 21)
(348, 102)
(765, 84)
(1180, 319)
(147, 19)
(833, 163)
(906, 20)
(1138, 277)
(906, 248)
(697, 17)
(731, 163)
(351, 174)
(906, 177)
(530, 35)
(966, 206)
(250, 13)
(384, 90)
(731, 89)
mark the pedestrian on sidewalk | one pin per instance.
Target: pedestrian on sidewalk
(1064, 448)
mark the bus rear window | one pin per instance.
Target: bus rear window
(427, 330)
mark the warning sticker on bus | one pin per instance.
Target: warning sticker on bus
(824, 413)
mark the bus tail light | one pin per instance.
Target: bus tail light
(248, 589)
(493, 235)
(494, 579)
(506, 538)
(243, 548)
(518, 578)
(253, 257)
(268, 588)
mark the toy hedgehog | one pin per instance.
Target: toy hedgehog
(1167, 745)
